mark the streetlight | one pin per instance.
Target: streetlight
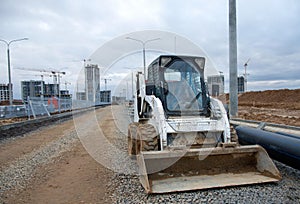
(8, 66)
(130, 68)
(144, 54)
(233, 89)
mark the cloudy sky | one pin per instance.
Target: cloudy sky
(63, 33)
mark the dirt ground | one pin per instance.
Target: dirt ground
(275, 106)
(23, 145)
(74, 177)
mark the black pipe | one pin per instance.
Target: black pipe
(280, 147)
(287, 134)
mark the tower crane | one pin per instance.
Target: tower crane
(245, 74)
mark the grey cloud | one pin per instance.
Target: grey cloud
(268, 30)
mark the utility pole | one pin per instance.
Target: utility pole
(233, 90)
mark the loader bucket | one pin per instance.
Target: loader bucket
(193, 169)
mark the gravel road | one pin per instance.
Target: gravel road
(127, 189)
(124, 188)
(50, 165)
(19, 172)
(62, 171)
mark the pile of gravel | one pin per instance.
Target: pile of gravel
(127, 189)
(18, 173)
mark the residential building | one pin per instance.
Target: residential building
(34, 88)
(105, 96)
(65, 94)
(215, 85)
(241, 84)
(4, 92)
(31, 88)
(92, 83)
(51, 90)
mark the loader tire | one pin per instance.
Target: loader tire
(132, 138)
(147, 138)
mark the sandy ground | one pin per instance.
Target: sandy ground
(76, 177)
(73, 177)
(10, 151)
(272, 115)
(275, 106)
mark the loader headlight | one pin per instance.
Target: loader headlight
(200, 62)
(164, 61)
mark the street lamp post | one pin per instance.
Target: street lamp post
(132, 94)
(144, 51)
(233, 89)
(8, 66)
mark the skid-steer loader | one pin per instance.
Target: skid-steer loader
(181, 136)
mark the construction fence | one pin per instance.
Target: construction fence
(41, 107)
(36, 107)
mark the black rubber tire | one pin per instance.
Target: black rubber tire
(147, 138)
(132, 138)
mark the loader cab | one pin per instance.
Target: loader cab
(178, 81)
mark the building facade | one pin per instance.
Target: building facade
(105, 96)
(4, 92)
(31, 88)
(92, 83)
(241, 84)
(34, 88)
(215, 85)
(51, 90)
